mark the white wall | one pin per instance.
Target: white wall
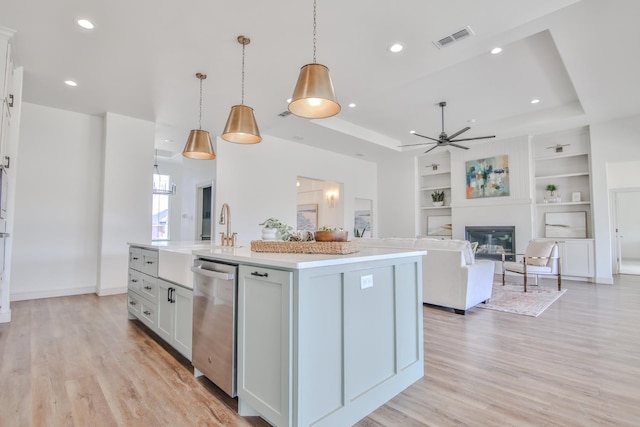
(126, 189)
(259, 181)
(612, 143)
(55, 235)
(397, 203)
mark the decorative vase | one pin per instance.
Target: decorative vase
(270, 234)
(438, 203)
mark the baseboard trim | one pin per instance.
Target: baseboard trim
(112, 291)
(605, 280)
(22, 296)
(5, 316)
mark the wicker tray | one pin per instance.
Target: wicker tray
(337, 248)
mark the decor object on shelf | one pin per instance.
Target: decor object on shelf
(540, 258)
(362, 221)
(161, 185)
(565, 224)
(283, 231)
(488, 177)
(553, 197)
(241, 126)
(359, 233)
(558, 148)
(576, 196)
(328, 234)
(511, 299)
(439, 225)
(199, 144)
(307, 218)
(313, 96)
(444, 140)
(437, 197)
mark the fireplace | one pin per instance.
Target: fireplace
(493, 241)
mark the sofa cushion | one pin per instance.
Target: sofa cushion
(539, 248)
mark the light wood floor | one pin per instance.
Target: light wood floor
(78, 361)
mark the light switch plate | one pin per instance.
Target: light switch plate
(366, 282)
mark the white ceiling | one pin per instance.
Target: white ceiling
(578, 57)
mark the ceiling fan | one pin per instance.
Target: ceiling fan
(444, 140)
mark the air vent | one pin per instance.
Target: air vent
(284, 113)
(455, 37)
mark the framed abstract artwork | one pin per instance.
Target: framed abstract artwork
(487, 177)
(565, 224)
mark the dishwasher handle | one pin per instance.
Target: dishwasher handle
(212, 274)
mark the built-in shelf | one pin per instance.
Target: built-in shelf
(563, 204)
(442, 187)
(562, 175)
(435, 207)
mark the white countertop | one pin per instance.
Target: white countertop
(244, 255)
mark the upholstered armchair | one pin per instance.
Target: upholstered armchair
(540, 258)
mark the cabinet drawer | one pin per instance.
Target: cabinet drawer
(133, 304)
(135, 280)
(135, 258)
(150, 262)
(148, 314)
(149, 288)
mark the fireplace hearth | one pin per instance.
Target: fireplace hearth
(493, 241)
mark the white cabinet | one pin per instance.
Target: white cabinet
(434, 175)
(175, 312)
(577, 258)
(6, 93)
(166, 308)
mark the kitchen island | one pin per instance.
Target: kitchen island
(324, 340)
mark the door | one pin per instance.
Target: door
(627, 229)
(203, 212)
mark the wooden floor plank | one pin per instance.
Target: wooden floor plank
(78, 361)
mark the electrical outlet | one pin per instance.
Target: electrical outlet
(366, 282)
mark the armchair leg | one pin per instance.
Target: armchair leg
(525, 280)
(559, 283)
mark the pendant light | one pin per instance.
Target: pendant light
(313, 97)
(199, 143)
(241, 126)
(161, 187)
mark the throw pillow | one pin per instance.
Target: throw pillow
(539, 248)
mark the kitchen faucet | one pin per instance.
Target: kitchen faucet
(226, 239)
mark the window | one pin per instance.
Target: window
(160, 208)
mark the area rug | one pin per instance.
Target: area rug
(511, 298)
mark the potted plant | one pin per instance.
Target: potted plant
(552, 188)
(359, 233)
(329, 234)
(437, 197)
(274, 229)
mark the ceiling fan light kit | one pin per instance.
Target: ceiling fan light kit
(199, 144)
(445, 140)
(313, 96)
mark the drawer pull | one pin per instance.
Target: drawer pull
(135, 258)
(147, 312)
(148, 288)
(132, 303)
(255, 273)
(134, 280)
(149, 262)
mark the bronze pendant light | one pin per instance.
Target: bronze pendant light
(313, 96)
(199, 143)
(241, 126)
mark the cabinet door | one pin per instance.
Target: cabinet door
(183, 307)
(135, 259)
(577, 258)
(265, 341)
(166, 313)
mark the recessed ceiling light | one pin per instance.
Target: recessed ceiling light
(496, 50)
(412, 131)
(535, 101)
(352, 105)
(70, 83)
(359, 155)
(85, 23)
(395, 48)
(471, 121)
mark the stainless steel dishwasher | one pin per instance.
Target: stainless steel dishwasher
(215, 292)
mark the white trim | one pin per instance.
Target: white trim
(21, 296)
(112, 291)
(5, 317)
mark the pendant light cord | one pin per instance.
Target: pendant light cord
(314, 31)
(200, 116)
(243, 46)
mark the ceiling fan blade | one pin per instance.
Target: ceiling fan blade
(471, 139)
(459, 132)
(431, 149)
(413, 145)
(458, 146)
(428, 137)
